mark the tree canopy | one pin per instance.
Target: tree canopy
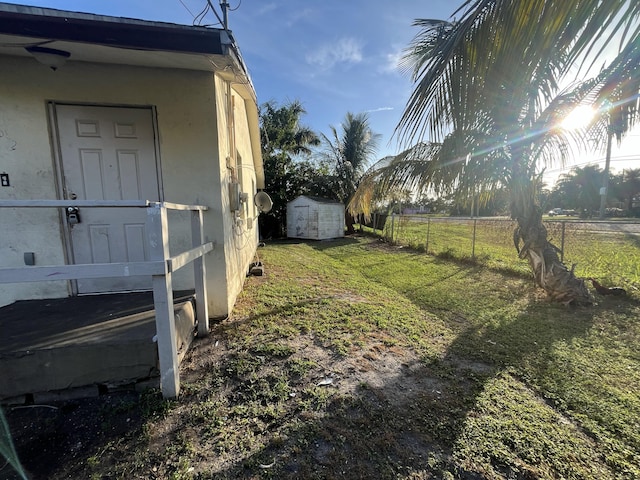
(286, 149)
(579, 189)
(488, 100)
(349, 150)
(487, 103)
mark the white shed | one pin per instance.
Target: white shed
(315, 218)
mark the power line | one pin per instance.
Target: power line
(623, 158)
(187, 9)
(213, 9)
(200, 17)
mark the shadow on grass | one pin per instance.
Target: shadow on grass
(319, 245)
(409, 423)
(633, 237)
(412, 421)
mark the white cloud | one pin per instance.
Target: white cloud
(300, 15)
(266, 8)
(346, 50)
(391, 60)
(379, 109)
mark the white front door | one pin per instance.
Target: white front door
(108, 153)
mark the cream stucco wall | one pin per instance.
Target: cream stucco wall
(188, 112)
(241, 228)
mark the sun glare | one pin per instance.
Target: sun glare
(578, 118)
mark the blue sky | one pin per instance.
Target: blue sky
(335, 56)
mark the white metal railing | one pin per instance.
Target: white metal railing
(160, 266)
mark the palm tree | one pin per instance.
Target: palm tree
(281, 131)
(350, 151)
(487, 97)
(579, 189)
(283, 139)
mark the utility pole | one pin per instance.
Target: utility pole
(224, 5)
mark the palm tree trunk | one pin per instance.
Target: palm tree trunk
(349, 222)
(549, 272)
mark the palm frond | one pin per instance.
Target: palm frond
(503, 57)
(349, 151)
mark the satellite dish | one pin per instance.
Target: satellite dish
(263, 202)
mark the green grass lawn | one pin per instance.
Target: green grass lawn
(612, 256)
(358, 359)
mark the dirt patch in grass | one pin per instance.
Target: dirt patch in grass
(50, 438)
(300, 412)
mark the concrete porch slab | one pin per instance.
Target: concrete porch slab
(58, 344)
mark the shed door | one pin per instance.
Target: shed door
(108, 153)
(302, 221)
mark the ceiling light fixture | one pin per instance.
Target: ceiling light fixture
(50, 57)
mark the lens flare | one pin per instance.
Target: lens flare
(578, 118)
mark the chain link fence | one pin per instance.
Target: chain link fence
(608, 251)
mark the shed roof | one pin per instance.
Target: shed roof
(320, 199)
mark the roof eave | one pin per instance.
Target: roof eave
(108, 31)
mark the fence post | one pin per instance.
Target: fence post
(473, 241)
(158, 241)
(562, 244)
(426, 247)
(200, 275)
